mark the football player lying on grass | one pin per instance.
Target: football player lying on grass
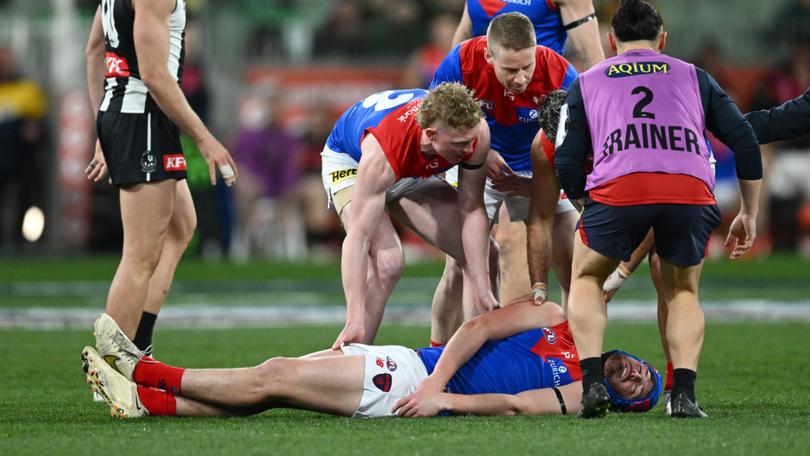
(516, 360)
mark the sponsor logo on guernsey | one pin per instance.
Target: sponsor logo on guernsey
(558, 369)
(174, 162)
(487, 105)
(526, 115)
(493, 6)
(380, 362)
(551, 337)
(342, 175)
(622, 70)
(117, 66)
(409, 112)
(390, 364)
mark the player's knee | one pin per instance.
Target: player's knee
(390, 265)
(272, 375)
(186, 224)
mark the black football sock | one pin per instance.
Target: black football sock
(591, 372)
(143, 336)
(684, 383)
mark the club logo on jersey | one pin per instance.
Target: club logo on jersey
(174, 162)
(390, 364)
(117, 66)
(487, 105)
(342, 175)
(380, 362)
(622, 70)
(383, 382)
(551, 337)
(148, 162)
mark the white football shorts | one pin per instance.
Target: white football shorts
(392, 372)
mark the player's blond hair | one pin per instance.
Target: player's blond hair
(513, 31)
(449, 104)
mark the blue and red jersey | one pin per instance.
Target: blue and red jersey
(512, 118)
(391, 117)
(544, 14)
(534, 359)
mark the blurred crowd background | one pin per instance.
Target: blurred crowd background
(269, 77)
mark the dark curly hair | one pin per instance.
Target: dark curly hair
(636, 20)
(549, 113)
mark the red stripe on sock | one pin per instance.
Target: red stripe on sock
(158, 402)
(153, 373)
(670, 378)
(434, 344)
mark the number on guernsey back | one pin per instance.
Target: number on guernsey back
(382, 101)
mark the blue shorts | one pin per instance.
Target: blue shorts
(681, 230)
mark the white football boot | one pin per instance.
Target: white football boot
(120, 392)
(115, 347)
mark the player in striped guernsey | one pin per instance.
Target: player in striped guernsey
(134, 65)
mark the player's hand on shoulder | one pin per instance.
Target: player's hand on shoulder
(97, 168)
(352, 332)
(218, 158)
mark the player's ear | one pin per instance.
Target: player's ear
(662, 41)
(488, 55)
(612, 42)
(430, 132)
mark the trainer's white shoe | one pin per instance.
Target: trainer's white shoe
(115, 347)
(120, 392)
(668, 403)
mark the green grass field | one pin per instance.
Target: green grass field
(754, 381)
(754, 377)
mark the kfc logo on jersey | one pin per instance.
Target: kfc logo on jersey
(549, 334)
(380, 362)
(390, 364)
(382, 382)
(174, 162)
(117, 67)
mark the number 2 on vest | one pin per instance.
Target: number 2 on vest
(638, 110)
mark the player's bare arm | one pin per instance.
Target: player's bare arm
(517, 317)
(475, 223)
(96, 69)
(94, 52)
(585, 36)
(374, 176)
(151, 35)
(464, 29)
(743, 230)
(540, 224)
(533, 402)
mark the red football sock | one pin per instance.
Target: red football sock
(158, 402)
(670, 378)
(434, 344)
(152, 373)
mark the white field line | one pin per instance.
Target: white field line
(211, 316)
